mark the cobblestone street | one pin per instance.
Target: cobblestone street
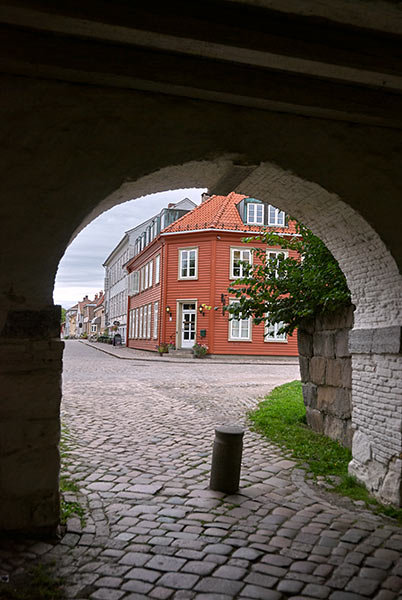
(140, 436)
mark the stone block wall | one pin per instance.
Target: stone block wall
(30, 381)
(326, 373)
(377, 411)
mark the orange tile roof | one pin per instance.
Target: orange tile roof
(217, 212)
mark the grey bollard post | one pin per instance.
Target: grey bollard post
(226, 459)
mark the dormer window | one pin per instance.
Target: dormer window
(255, 214)
(276, 217)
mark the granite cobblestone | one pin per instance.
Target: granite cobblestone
(141, 437)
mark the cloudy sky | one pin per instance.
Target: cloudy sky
(80, 270)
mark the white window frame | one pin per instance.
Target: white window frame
(146, 276)
(149, 321)
(275, 251)
(145, 322)
(93, 328)
(181, 254)
(279, 215)
(232, 260)
(150, 273)
(137, 317)
(136, 282)
(271, 333)
(234, 338)
(141, 321)
(156, 318)
(255, 220)
(157, 269)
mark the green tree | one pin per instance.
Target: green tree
(63, 315)
(287, 290)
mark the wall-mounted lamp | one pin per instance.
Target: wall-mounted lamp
(168, 309)
(201, 309)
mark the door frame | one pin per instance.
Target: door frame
(179, 318)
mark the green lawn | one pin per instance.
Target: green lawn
(281, 417)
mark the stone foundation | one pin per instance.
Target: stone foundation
(377, 411)
(30, 380)
(326, 373)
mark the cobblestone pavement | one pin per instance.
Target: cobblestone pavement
(140, 445)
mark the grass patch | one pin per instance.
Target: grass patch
(281, 417)
(35, 584)
(68, 508)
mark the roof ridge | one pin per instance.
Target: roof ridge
(226, 201)
(212, 210)
(197, 206)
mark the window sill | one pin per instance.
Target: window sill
(187, 278)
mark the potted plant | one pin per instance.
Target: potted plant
(200, 350)
(163, 348)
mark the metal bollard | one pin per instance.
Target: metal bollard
(226, 459)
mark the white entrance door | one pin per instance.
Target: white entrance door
(188, 325)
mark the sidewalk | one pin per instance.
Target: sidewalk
(125, 353)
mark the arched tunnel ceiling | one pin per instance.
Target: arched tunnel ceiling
(244, 53)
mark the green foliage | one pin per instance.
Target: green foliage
(36, 584)
(289, 289)
(200, 349)
(68, 508)
(63, 315)
(281, 417)
(163, 348)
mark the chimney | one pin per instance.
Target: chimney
(205, 196)
(171, 205)
(96, 297)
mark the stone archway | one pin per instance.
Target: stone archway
(68, 148)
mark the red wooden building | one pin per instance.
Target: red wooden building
(178, 283)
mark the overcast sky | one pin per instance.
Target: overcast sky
(80, 270)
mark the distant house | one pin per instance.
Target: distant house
(133, 242)
(71, 321)
(178, 283)
(81, 315)
(98, 321)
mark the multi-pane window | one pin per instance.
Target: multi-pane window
(272, 335)
(188, 263)
(156, 317)
(275, 216)
(237, 256)
(276, 254)
(149, 321)
(146, 276)
(145, 324)
(137, 315)
(140, 324)
(150, 274)
(239, 329)
(255, 213)
(157, 269)
(133, 283)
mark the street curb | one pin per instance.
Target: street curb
(190, 362)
